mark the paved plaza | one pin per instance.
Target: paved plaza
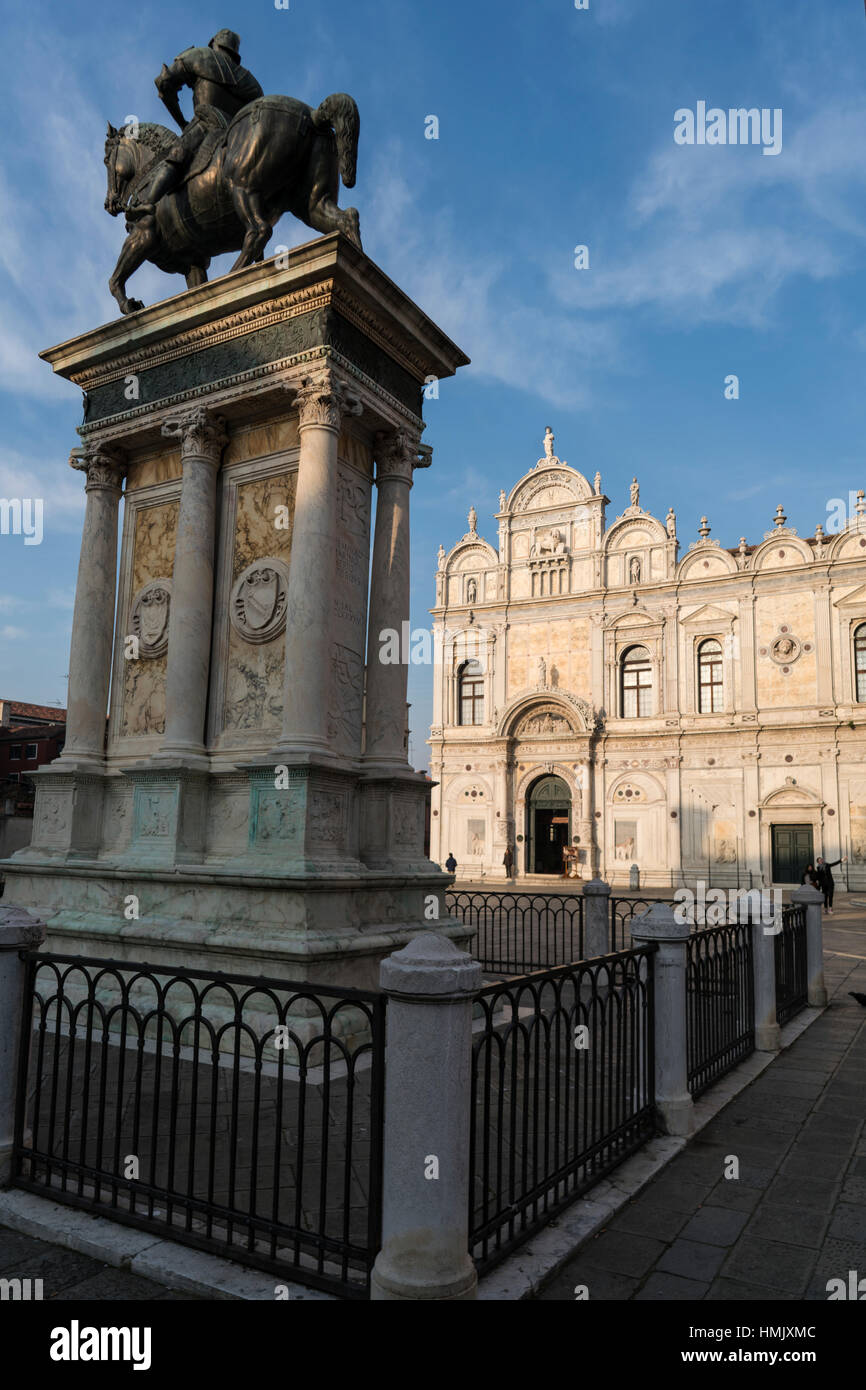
(796, 1216)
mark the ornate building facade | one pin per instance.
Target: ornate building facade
(606, 697)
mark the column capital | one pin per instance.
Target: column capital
(202, 434)
(398, 453)
(104, 466)
(323, 398)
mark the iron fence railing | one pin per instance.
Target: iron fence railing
(562, 1092)
(720, 1002)
(521, 932)
(792, 983)
(623, 912)
(241, 1115)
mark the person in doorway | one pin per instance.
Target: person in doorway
(810, 876)
(451, 863)
(825, 884)
(508, 861)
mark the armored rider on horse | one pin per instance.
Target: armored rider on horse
(241, 162)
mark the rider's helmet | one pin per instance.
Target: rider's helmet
(229, 42)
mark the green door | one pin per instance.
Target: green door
(792, 851)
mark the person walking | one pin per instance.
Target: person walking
(825, 884)
(451, 863)
(508, 861)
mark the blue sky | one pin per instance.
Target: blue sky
(556, 129)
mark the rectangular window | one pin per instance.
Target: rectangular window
(472, 702)
(15, 753)
(30, 750)
(711, 695)
(636, 693)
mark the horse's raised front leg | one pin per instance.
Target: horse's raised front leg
(249, 211)
(134, 253)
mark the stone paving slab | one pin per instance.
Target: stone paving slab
(795, 1217)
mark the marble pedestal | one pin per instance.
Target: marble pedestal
(231, 817)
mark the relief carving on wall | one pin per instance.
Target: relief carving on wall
(150, 616)
(53, 816)
(352, 504)
(258, 602)
(544, 722)
(327, 815)
(344, 716)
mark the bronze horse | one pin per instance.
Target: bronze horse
(278, 155)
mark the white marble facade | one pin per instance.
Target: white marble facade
(741, 755)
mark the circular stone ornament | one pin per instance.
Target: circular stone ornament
(785, 649)
(257, 610)
(150, 614)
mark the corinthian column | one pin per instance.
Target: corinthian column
(93, 621)
(397, 455)
(202, 437)
(322, 399)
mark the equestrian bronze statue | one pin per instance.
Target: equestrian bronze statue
(241, 162)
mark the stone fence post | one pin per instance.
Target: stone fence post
(812, 900)
(18, 932)
(596, 919)
(767, 1030)
(425, 1223)
(668, 964)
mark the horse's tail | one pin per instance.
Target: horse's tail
(339, 113)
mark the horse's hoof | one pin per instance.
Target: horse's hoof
(131, 306)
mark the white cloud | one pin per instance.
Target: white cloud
(60, 487)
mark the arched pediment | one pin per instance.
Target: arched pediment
(634, 618)
(792, 794)
(633, 531)
(706, 562)
(781, 551)
(577, 716)
(850, 544)
(476, 553)
(546, 488)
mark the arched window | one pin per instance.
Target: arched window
(471, 692)
(710, 684)
(860, 662)
(637, 683)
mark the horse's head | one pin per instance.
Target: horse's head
(120, 167)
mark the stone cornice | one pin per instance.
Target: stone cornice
(326, 272)
(222, 393)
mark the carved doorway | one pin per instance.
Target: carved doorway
(792, 850)
(548, 825)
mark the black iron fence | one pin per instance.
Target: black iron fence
(720, 1002)
(792, 983)
(623, 912)
(521, 932)
(237, 1114)
(562, 1092)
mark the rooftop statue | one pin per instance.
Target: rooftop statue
(222, 185)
